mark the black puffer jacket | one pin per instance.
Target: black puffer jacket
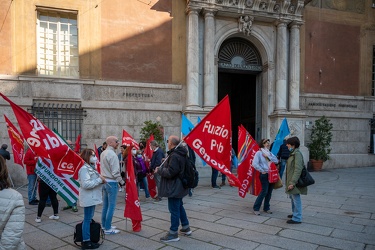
(170, 183)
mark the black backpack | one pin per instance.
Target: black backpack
(96, 233)
(190, 175)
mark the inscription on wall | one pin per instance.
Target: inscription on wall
(332, 104)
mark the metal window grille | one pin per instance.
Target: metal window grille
(65, 118)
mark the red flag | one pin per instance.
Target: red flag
(16, 140)
(150, 176)
(211, 139)
(128, 140)
(77, 147)
(97, 157)
(132, 205)
(46, 144)
(247, 175)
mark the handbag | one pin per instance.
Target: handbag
(273, 173)
(278, 184)
(305, 179)
(96, 233)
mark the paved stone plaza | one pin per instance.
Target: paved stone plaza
(339, 213)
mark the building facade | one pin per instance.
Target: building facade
(96, 67)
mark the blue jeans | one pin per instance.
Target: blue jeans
(265, 194)
(31, 187)
(110, 190)
(296, 207)
(214, 175)
(145, 186)
(177, 210)
(282, 167)
(88, 214)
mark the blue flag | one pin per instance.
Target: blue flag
(283, 131)
(186, 125)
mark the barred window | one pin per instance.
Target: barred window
(57, 43)
(64, 118)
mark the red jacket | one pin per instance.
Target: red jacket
(30, 162)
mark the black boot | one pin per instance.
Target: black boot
(89, 245)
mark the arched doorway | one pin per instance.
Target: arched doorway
(238, 67)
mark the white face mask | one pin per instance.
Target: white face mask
(93, 159)
(134, 151)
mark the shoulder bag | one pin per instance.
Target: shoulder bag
(305, 179)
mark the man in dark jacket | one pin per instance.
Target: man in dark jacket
(171, 187)
(283, 156)
(157, 158)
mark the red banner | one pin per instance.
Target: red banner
(16, 140)
(46, 144)
(77, 147)
(248, 176)
(150, 176)
(132, 205)
(211, 139)
(128, 140)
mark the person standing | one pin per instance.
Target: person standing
(157, 158)
(102, 148)
(261, 163)
(30, 161)
(90, 194)
(110, 170)
(294, 167)
(12, 216)
(4, 153)
(171, 187)
(283, 156)
(121, 162)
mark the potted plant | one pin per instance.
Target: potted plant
(153, 128)
(320, 141)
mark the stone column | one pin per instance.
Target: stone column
(192, 98)
(294, 66)
(209, 99)
(281, 67)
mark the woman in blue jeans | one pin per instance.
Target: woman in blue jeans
(90, 194)
(261, 163)
(294, 167)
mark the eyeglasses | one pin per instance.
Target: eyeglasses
(116, 141)
(167, 141)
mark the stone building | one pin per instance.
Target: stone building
(95, 67)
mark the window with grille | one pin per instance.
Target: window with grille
(57, 43)
(64, 118)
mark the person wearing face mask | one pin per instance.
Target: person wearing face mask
(141, 174)
(90, 194)
(261, 163)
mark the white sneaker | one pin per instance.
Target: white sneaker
(111, 231)
(38, 220)
(120, 189)
(54, 217)
(112, 227)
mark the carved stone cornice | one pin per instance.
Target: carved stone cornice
(261, 10)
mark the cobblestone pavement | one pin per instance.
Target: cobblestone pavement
(338, 213)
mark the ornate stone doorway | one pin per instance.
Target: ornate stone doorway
(239, 64)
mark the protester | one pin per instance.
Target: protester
(72, 206)
(214, 176)
(12, 215)
(121, 162)
(4, 153)
(156, 160)
(283, 156)
(294, 167)
(90, 194)
(141, 174)
(232, 165)
(261, 163)
(102, 148)
(30, 161)
(171, 187)
(110, 170)
(46, 192)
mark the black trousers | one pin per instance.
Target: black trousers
(44, 192)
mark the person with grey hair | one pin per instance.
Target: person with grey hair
(156, 160)
(171, 187)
